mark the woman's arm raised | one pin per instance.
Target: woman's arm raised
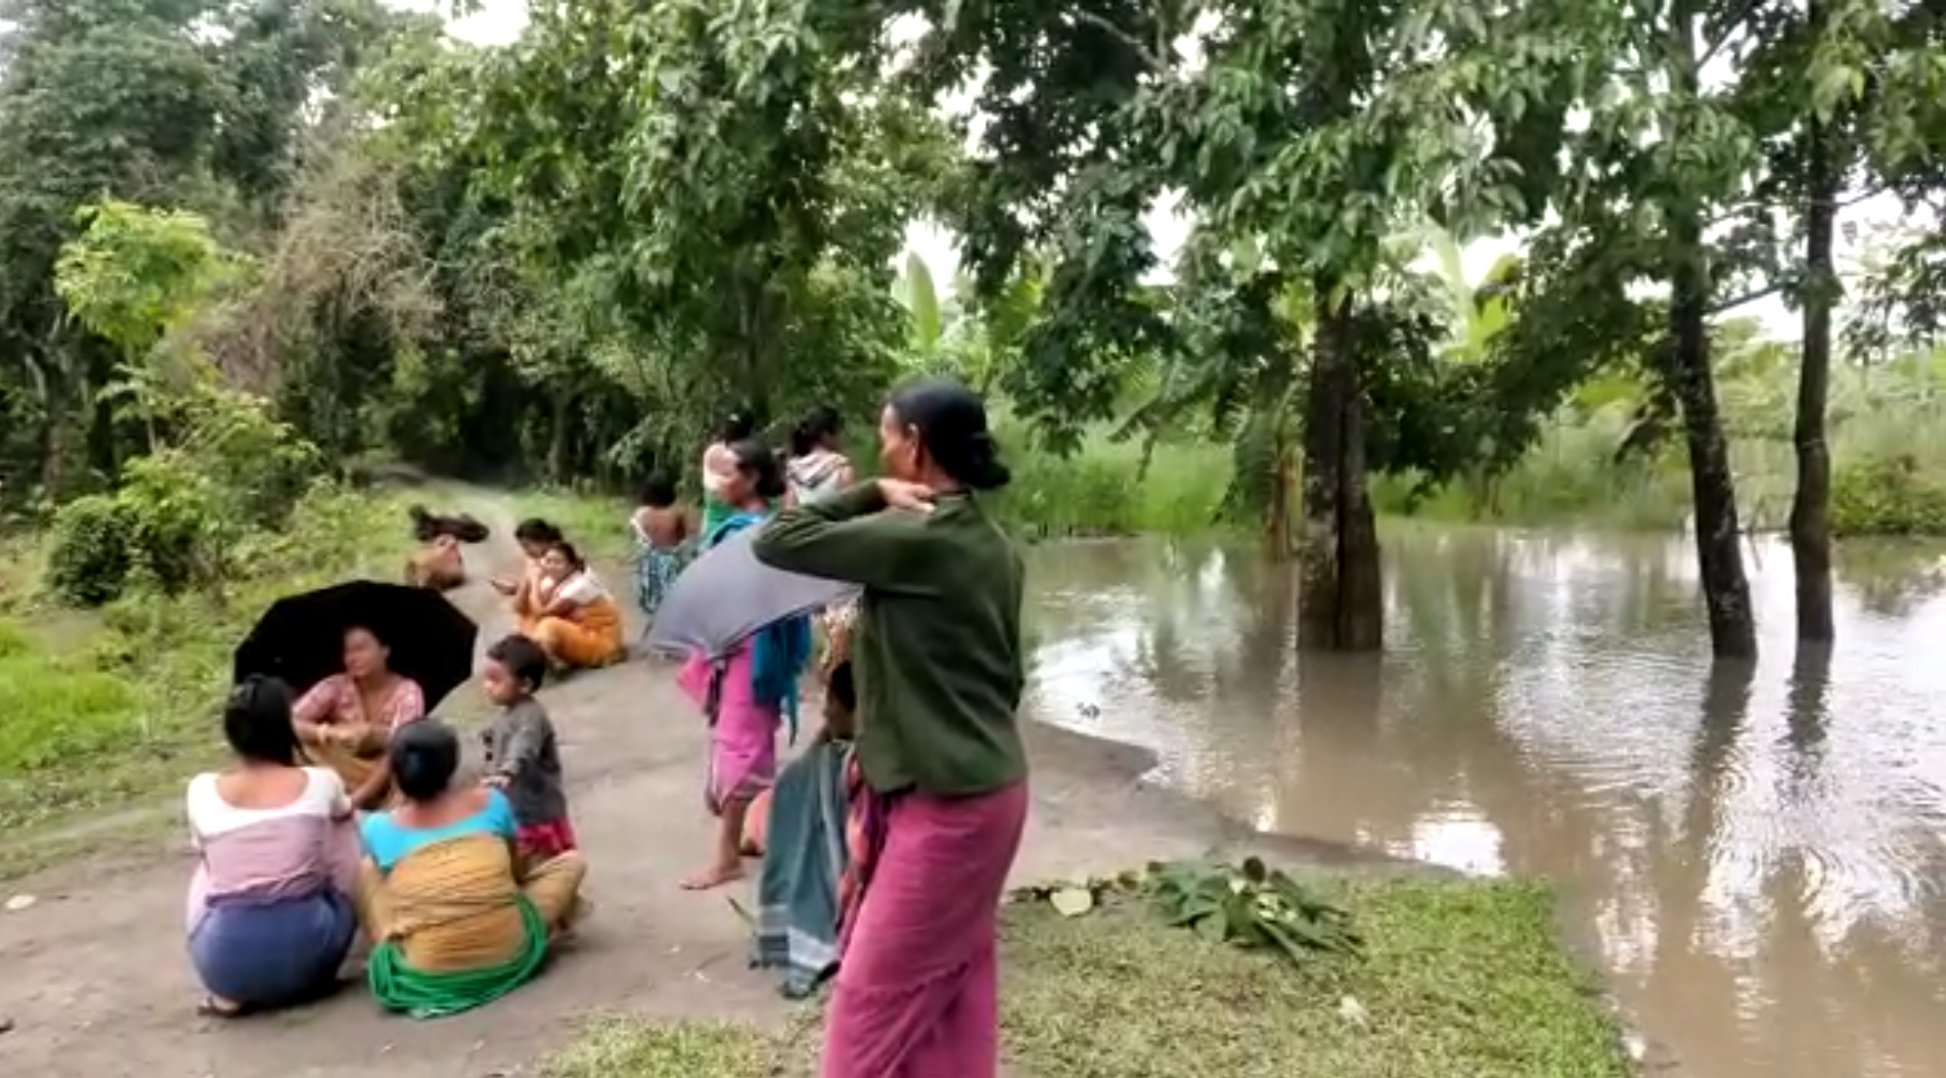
(849, 537)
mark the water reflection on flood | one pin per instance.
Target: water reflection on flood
(1757, 853)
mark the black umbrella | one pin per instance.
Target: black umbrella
(300, 639)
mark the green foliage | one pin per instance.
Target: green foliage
(91, 550)
(1106, 489)
(104, 708)
(184, 511)
(135, 274)
(58, 711)
(1887, 496)
(1249, 906)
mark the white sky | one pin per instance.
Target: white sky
(500, 21)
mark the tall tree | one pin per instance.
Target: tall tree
(720, 188)
(1310, 129)
(1660, 192)
(1835, 95)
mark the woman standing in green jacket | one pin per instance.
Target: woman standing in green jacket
(939, 670)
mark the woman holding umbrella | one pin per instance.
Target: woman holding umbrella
(367, 658)
(939, 670)
(346, 721)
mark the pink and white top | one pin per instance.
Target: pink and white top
(336, 700)
(259, 856)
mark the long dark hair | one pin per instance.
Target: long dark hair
(756, 460)
(951, 422)
(536, 530)
(424, 757)
(569, 554)
(818, 424)
(736, 427)
(257, 722)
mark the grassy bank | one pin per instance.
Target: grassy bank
(1461, 980)
(109, 707)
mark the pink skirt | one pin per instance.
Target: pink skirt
(918, 988)
(743, 733)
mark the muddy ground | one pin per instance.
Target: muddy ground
(95, 982)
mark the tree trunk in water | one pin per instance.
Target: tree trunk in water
(1726, 591)
(1810, 505)
(1340, 604)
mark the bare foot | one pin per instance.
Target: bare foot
(214, 1006)
(716, 876)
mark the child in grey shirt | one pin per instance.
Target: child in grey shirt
(522, 756)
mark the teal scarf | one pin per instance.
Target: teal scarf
(780, 651)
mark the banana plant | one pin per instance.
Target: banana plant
(926, 326)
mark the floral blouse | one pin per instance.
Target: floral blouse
(335, 700)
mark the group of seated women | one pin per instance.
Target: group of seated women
(290, 879)
(561, 604)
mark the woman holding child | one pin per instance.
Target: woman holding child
(939, 672)
(560, 603)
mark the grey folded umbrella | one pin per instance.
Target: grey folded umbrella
(726, 595)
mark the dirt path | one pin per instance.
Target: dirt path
(97, 984)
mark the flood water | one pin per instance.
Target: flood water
(1756, 855)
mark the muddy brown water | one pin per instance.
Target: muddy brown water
(1756, 854)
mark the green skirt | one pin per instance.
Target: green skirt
(404, 990)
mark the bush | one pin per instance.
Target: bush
(186, 511)
(1886, 495)
(91, 552)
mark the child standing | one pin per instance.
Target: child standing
(522, 755)
(663, 534)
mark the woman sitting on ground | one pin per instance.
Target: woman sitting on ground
(577, 621)
(527, 592)
(345, 721)
(455, 925)
(271, 913)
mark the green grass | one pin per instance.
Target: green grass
(1102, 490)
(597, 524)
(1463, 979)
(107, 708)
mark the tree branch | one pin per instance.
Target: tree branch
(1736, 301)
(1740, 15)
(1142, 52)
